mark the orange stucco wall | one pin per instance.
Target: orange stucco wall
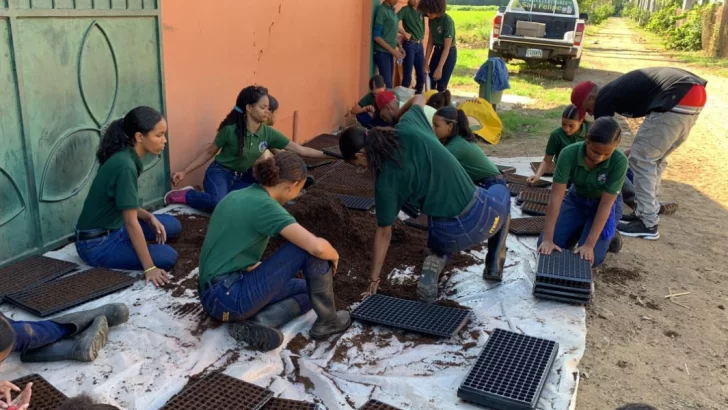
(312, 56)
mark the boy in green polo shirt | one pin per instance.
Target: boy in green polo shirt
(573, 129)
(386, 43)
(591, 207)
(442, 54)
(413, 30)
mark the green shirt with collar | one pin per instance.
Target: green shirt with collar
(425, 175)
(113, 191)
(441, 28)
(255, 145)
(558, 140)
(472, 158)
(239, 230)
(607, 176)
(388, 20)
(413, 22)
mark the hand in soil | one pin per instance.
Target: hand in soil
(159, 228)
(157, 276)
(547, 247)
(373, 286)
(586, 252)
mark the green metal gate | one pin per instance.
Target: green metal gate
(67, 69)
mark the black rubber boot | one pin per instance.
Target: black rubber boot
(277, 314)
(430, 277)
(115, 314)
(83, 347)
(329, 321)
(495, 259)
(616, 244)
(257, 336)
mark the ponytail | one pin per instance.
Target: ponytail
(121, 133)
(283, 166)
(439, 100)
(248, 96)
(461, 125)
(380, 145)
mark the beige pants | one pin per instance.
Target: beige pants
(660, 134)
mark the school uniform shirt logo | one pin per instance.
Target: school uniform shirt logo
(602, 179)
(439, 29)
(262, 146)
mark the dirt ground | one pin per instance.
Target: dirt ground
(642, 347)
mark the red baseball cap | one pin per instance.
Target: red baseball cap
(579, 94)
(384, 98)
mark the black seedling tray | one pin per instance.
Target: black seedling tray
(377, 405)
(412, 315)
(565, 265)
(59, 295)
(420, 222)
(31, 272)
(285, 404)
(44, 395)
(561, 299)
(219, 391)
(564, 284)
(540, 290)
(356, 202)
(532, 208)
(527, 226)
(322, 141)
(505, 169)
(549, 171)
(319, 163)
(510, 372)
(516, 189)
(345, 175)
(578, 292)
(522, 180)
(538, 197)
(333, 151)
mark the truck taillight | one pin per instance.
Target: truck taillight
(497, 26)
(579, 35)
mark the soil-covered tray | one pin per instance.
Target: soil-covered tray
(59, 295)
(506, 169)
(31, 272)
(44, 395)
(542, 196)
(285, 404)
(323, 141)
(219, 391)
(523, 180)
(549, 172)
(532, 208)
(527, 226)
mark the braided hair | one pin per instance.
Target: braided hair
(248, 96)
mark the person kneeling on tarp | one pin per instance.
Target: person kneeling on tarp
(589, 213)
(76, 336)
(411, 166)
(260, 296)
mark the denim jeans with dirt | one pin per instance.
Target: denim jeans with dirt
(218, 182)
(32, 335)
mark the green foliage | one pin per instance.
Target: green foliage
(663, 20)
(598, 10)
(473, 25)
(687, 37)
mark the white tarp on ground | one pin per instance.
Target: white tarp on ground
(148, 359)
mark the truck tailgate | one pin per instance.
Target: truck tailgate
(538, 42)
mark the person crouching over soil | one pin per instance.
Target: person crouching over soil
(411, 166)
(591, 207)
(112, 230)
(452, 128)
(260, 296)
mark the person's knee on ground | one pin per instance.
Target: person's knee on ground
(163, 256)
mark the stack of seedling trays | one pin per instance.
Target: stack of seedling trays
(563, 277)
(510, 372)
(44, 395)
(518, 184)
(549, 170)
(411, 315)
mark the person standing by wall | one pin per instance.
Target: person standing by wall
(413, 30)
(441, 51)
(386, 47)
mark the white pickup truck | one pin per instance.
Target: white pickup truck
(540, 30)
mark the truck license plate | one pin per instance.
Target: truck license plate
(534, 53)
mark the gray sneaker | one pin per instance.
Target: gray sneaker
(429, 279)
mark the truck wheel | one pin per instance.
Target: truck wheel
(570, 67)
(495, 54)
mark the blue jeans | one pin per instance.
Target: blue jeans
(244, 294)
(219, 181)
(385, 63)
(115, 250)
(575, 220)
(32, 335)
(414, 59)
(488, 212)
(489, 182)
(370, 121)
(452, 58)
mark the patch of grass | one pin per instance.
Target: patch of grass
(527, 123)
(472, 25)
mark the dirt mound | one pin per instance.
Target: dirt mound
(621, 276)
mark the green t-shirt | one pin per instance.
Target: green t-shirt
(442, 28)
(239, 230)
(472, 158)
(559, 140)
(368, 99)
(387, 19)
(607, 176)
(413, 22)
(426, 175)
(114, 190)
(255, 145)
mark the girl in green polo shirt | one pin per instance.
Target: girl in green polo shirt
(366, 109)
(591, 207)
(113, 230)
(259, 296)
(241, 140)
(442, 54)
(573, 129)
(413, 30)
(411, 166)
